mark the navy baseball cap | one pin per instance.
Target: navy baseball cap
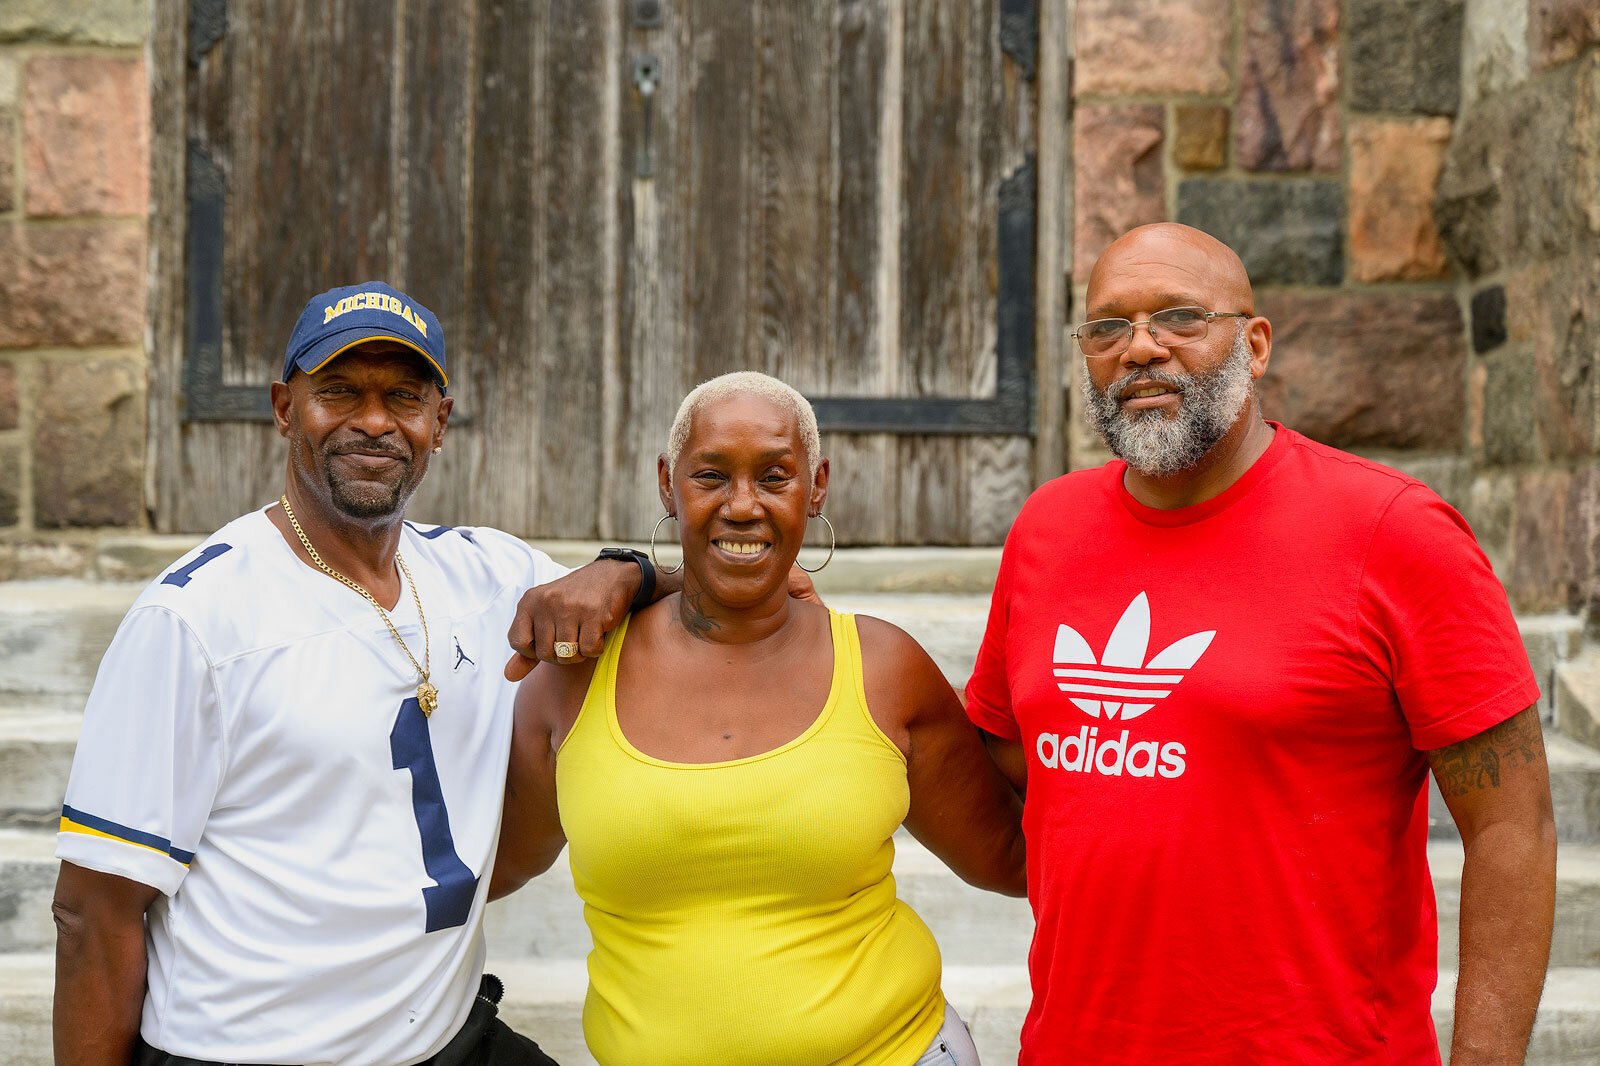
(339, 319)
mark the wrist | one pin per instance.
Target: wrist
(646, 594)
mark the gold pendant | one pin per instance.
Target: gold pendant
(427, 699)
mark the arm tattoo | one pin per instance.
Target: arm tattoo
(1477, 762)
(692, 617)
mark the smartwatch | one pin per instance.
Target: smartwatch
(647, 574)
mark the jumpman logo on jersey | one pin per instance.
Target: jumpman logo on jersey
(461, 656)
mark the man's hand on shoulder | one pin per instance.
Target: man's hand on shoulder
(578, 609)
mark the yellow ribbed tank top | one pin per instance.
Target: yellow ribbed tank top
(744, 911)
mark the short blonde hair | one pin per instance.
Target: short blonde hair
(747, 383)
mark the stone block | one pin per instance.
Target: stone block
(8, 168)
(1287, 232)
(72, 285)
(1200, 136)
(1494, 48)
(1117, 154)
(124, 22)
(8, 82)
(1490, 508)
(33, 560)
(1566, 348)
(86, 135)
(1558, 30)
(1153, 46)
(1508, 423)
(1287, 117)
(88, 452)
(1394, 174)
(1538, 567)
(1582, 529)
(1488, 318)
(1404, 56)
(9, 405)
(1521, 179)
(1366, 370)
(10, 484)
(1586, 142)
(1477, 381)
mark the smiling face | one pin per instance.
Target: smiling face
(1163, 409)
(743, 493)
(361, 430)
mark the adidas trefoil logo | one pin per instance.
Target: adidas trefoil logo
(1121, 684)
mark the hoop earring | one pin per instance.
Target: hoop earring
(659, 568)
(833, 542)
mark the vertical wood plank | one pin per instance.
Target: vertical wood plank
(435, 98)
(1053, 306)
(722, 109)
(864, 493)
(939, 198)
(794, 189)
(498, 335)
(654, 363)
(169, 133)
(998, 469)
(569, 366)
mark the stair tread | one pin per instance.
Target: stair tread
(1568, 988)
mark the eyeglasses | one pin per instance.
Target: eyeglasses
(1107, 338)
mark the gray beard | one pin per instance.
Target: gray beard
(1149, 441)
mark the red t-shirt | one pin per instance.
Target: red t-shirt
(1224, 710)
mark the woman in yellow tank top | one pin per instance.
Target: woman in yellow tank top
(730, 775)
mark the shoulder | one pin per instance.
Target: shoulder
(203, 589)
(1317, 469)
(1396, 515)
(887, 651)
(483, 553)
(1048, 501)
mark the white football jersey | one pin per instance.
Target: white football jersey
(253, 748)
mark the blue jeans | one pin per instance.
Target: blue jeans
(953, 1046)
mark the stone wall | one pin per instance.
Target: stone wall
(1414, 187)
(1414, 184)
(1519, 208)
(74, 194)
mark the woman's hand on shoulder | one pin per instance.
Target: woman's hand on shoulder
(962, 807)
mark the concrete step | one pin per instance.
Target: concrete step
(35, 757)
(53, 634)
(36, 754)
(545, 1000)
(545, 919)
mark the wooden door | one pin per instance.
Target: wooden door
(606, 203)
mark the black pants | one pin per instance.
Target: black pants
(484, 1040)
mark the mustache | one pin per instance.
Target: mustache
(369, 447)
(1118, 389)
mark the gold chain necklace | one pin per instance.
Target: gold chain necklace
(427, 695)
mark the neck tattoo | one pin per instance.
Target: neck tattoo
(427, 695)
(693, 617)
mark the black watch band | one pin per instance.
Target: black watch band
(647, 574)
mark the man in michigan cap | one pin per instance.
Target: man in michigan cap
(280, 819)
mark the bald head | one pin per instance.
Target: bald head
(1169, 264)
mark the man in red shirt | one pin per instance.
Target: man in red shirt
(1220, 667)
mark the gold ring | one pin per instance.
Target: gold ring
(566, 649)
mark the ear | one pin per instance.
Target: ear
(819, 487)
(1259, 331)
(664, 481)
(445, 407)
(282, 399)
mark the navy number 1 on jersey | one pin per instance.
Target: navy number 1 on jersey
(449, 899)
